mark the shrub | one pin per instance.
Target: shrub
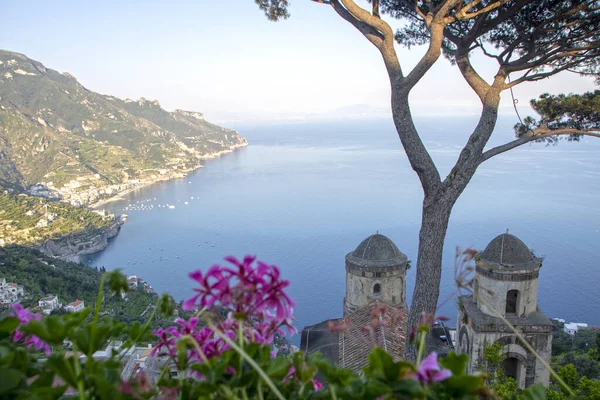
(205, 356)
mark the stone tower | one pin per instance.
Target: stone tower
(376, 270)
(506, 279)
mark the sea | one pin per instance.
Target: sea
(303, 194)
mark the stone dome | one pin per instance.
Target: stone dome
(376, 251)
(507, 249)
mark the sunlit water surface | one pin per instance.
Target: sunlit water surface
(303, 195)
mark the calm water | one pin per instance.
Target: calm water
(303, 195)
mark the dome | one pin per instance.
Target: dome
(376, 251)
(507, 249)
(377, 248)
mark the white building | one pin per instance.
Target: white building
(572, 327)
(10, 293)
(49, 304)
(77, 305)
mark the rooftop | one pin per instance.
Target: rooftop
(507, 249)
(376, 250)
(357, 334)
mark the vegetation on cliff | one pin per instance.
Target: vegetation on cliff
(577, 361)
(31, 220)
(41, 275)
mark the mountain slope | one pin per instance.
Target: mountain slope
(83, 146)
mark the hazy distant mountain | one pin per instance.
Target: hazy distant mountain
(54, 131)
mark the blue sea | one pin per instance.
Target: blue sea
(304, 194)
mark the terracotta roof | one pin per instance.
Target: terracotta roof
(12, 284)
(146, 353)
(76, 303)
(369, 328)
(360, 332)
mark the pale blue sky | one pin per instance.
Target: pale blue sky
(225, 59)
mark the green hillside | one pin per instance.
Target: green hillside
(41, 275)
(31, 220)
(53, 131)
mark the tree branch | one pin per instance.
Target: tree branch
(536, 135)
(477, 83)
(376, 30)
(462, 14)
(431, 56)
(372, 34)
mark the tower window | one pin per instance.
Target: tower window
(377, 288)
(363, 273)
(511, 301)
(377, 274)
(476, 291)
(511, 367)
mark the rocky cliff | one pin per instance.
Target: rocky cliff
(71, 247)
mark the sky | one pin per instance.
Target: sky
(225, 59)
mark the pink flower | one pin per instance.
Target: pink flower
(25, 316)
(430, 371)
(317, 385)
(251, 293)
(254, 294)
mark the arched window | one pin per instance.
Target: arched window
(363, 273)
(377, 288)
(512, 298)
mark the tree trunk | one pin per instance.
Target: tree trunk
(434, 223)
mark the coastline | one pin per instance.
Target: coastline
(120, 195)
(72, 247)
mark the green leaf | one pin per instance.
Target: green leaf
(9, 324)
(380, 360)
(10, 379)
(64, 367)
(535, 392)
(117, 282)
(457, 364)
(166, 305)
(464, 384)
(410, 388)
(278, 367)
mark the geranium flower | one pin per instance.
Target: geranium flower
(25, 316)
(430, 371)
(255, 297)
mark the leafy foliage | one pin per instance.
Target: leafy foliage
(20, 217)
(41, 275)
(577, 112)
(274, 9)
(244, 368)
(577, 360)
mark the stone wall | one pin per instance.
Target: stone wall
(360, 289)
(472, 339)
(494, 292)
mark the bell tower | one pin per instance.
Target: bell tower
(506, 281)
(376, 270)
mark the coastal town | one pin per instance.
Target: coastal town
(12, 293)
